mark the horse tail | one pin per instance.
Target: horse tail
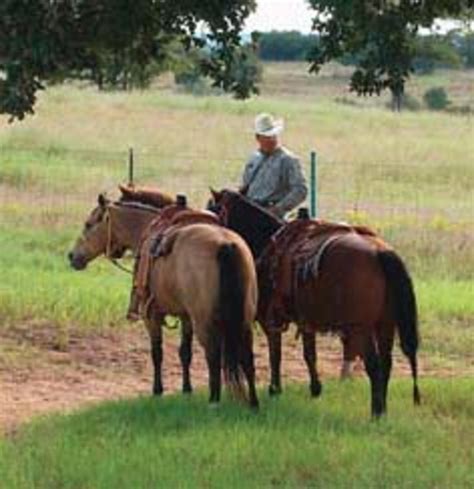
(231, 314)
(405, 310)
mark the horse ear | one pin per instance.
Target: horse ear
(102, 200)
(215, 194)
(125, 190)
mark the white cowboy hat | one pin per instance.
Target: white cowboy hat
(267, 125)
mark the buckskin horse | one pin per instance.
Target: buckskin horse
(111, 229)
(336, 279)
(206, 276)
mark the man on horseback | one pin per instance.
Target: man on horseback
(273, 176)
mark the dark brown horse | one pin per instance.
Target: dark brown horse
(344, 280)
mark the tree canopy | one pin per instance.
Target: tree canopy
(379, 34)
(47, 40)
(116, 41)
(285, 45)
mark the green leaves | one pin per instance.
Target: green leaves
(379, 35)
(106, 40)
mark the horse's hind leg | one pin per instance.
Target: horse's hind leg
(385, 338)
(186, 353)
(347, 359)
(248, 366)
(309, 353)
(374, 371)
(153, 324)
(274, 349)
(214, 361)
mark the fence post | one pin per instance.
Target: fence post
(130, 167)
(314, 185)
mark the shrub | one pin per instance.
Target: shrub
(436, 98)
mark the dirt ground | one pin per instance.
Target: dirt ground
(42, 371)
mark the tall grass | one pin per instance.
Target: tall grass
(409, 176)
(291, 442)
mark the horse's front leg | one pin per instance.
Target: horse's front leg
(309, 353)
(154, 327)
(274, 350)
(186, 353)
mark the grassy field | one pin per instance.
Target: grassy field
(409, 175)
(292, 442)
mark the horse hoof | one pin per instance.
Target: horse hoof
(187, 389)
(213, 405)
(255, 408)
(377, 416)
(274, 390)
(133, 317)
(315, 390)
(158, 391)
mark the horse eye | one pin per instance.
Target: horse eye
(87, 226)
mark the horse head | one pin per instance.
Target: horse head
(97, 237)
(252, 221)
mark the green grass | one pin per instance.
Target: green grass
(291, 442)
(409, 176)
(42, 285)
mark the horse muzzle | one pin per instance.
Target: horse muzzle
(77, 260)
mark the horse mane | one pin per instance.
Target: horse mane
(137, 205)
(145, 195)
(254, 223)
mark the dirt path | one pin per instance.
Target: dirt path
(41, 372)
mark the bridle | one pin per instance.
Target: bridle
(108, 247)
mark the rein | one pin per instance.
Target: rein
(108, 246)
(115, 262)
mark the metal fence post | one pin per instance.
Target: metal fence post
(314, 185)
(130, 167)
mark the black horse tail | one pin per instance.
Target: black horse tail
(403, 298)
(231, 314)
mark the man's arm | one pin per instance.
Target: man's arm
(298, 187)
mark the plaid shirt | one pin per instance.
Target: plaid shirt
(275, 180)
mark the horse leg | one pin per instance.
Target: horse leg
(374, 371)
(309, 353)
(153, 324)
(214, 360)
(186, 353)
(274, 347)
(346, 370)
(385, 338)
(248, 366)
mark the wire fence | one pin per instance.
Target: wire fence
(62, 183)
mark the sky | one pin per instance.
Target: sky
(287, 15)
(280, 15)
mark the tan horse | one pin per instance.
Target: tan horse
(110, 230)
(207, 273)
